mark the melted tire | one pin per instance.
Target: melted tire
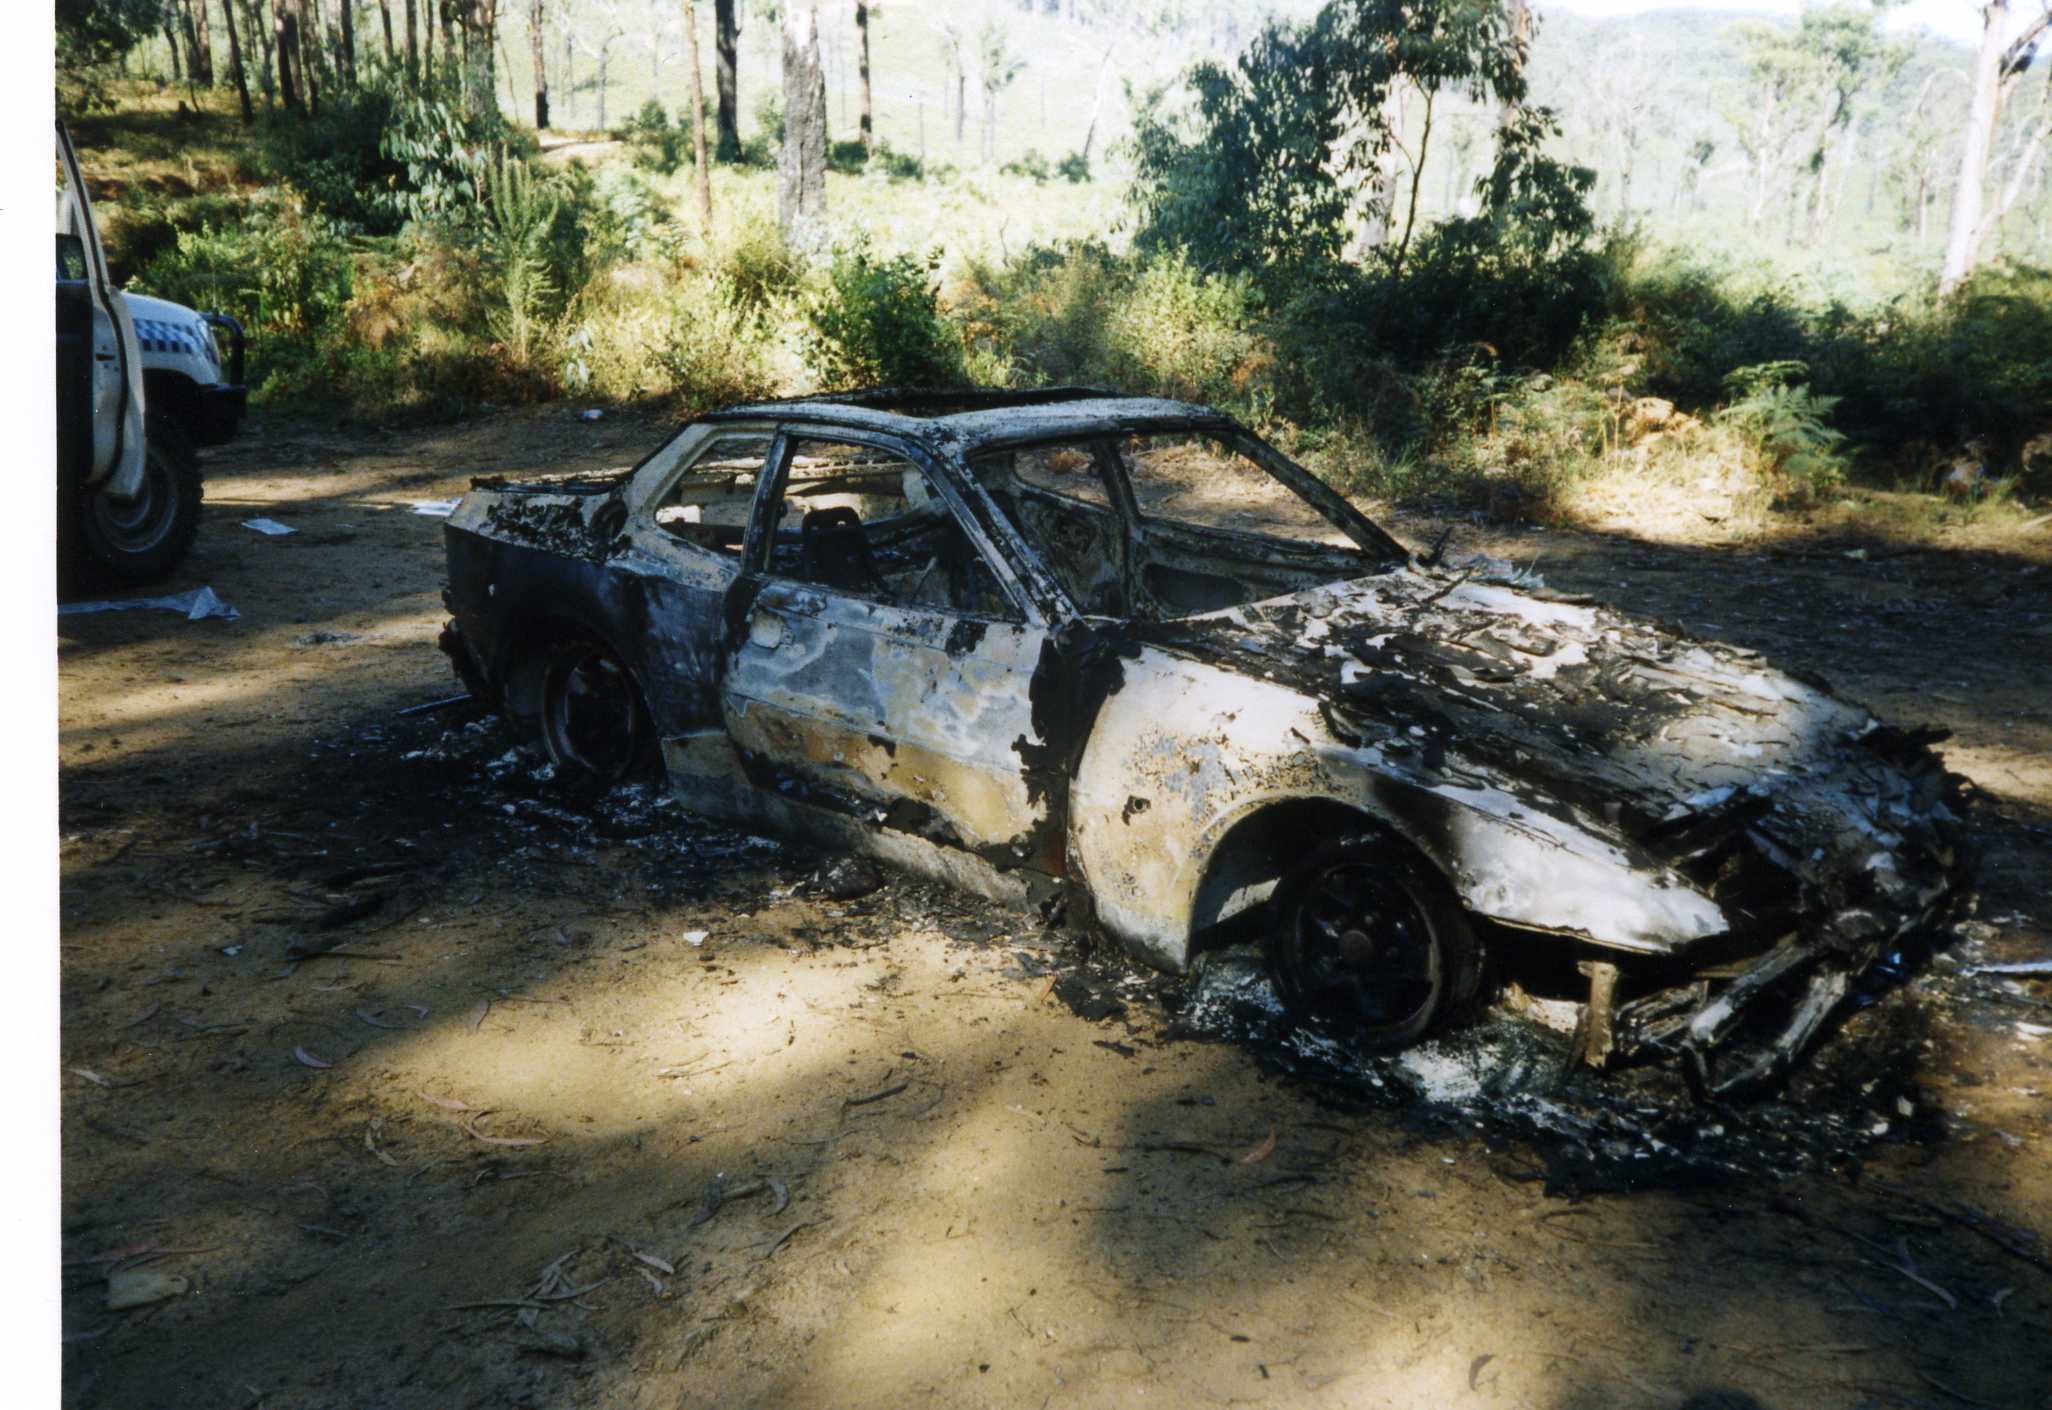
(594, 724)
(1368, 946)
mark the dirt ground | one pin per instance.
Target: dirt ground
(590, 1104)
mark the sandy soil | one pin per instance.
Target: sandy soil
(524, 1136)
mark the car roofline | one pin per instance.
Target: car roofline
(978, 420)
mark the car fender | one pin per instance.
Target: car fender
(1184, 753)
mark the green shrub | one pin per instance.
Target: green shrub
(1912, 379)
(521, 212)
(898, 166)
(655, 144)
(847, 157)
(1180, 332)
(769, 119)
(760, 269)
(879, 323)
(1030, 163)
(1074, 168)
(627, 219)
(384, 153)
(714, 352)
(282, 272)
(1788, 422)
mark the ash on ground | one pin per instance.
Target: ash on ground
(1504, 1075)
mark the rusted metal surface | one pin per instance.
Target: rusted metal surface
(1156, 719)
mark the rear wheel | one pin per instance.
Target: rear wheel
(1369, 947)
(140, 539)
(593, 722)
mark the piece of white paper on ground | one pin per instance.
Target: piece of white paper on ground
(268, 526)
(438, 508)
(196, 605)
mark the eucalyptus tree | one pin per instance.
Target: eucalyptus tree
(1289, 150)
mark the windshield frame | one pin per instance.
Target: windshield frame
(1102, 445)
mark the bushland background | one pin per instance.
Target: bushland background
(1734, 267)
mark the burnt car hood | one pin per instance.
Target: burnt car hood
(1787, 805)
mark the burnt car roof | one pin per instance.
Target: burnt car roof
(971, 419)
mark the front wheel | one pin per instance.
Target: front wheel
(593, 723)
(1368, 946)
(141, 539)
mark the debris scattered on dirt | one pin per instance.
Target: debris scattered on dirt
(194, 606)
(139, 1287)
(2043, 966)
(845, 879)
(190, 817)
(270, 527)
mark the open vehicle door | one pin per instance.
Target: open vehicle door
(128, 479)
(99, 361)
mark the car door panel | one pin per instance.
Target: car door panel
(908, 718)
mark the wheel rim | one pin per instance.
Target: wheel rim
(591, 718)
(1361, 953)
(138, 525)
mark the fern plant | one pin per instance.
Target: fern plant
(520, 211)
(1789, 423)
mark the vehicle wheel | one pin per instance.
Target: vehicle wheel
(1369, 947)
(593, 724)
(141, 539)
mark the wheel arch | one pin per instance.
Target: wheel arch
(174, 397)
(522, 647)
(1253, 851)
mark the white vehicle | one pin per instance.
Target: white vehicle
(140, 387)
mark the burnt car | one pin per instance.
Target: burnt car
(1120, 654)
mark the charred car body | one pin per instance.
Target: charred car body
(1118, 651)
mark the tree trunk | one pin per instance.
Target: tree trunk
(203, 44)
(2026, 164)
(801, 162)
(868, 121)
(481, 78)
(427, 40)
(171, 38)
(697, 113)
(253, 22)
(961, 102)
(1096, 105)
(385, 14)
(310, 57)
(1378, 219)
(192, 55)
(349, 42)
(1518, 21)
(235, 63)
(1976, 142)
(287, 20)
(541, 74)
(726, 43)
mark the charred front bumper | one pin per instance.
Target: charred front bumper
(1819, 884)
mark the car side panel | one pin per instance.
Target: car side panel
(548, 565)
(1185, 751)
